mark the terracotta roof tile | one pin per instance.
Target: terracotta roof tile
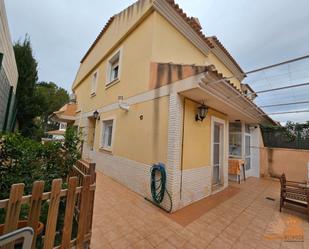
(216, 40)
(191, 21)
(109, 22)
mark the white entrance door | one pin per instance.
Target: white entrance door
(217, 152)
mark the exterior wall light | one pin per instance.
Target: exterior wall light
(96, 115)
(201, 113)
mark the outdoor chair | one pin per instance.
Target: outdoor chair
(296, 193)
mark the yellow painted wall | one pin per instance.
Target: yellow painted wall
(169, 45)
(123, 23)
(144, 140)
(134, 69)
(197, 137)
(154, 40)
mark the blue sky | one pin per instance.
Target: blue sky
(257, 33)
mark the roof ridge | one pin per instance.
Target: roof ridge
(219, 43)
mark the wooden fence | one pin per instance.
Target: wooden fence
(78, 198)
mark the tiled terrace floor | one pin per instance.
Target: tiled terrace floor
(123, 219)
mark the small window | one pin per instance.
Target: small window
(107, 138)
(94, 83)
(63, 126)
(113, 68)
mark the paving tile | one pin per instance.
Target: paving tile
(122, 219)
(120, 244)
(176, 240)
(143, 244)
(155, 239)
(165, 245)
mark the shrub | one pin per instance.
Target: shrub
(23, 160)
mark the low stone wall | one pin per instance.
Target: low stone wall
(292, 162)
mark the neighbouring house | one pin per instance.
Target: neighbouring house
(8, 75)
(65, 117)
(152, 88)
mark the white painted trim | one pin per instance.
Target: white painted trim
(102, 132)
(108, 82)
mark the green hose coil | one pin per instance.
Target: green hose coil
(158, 184)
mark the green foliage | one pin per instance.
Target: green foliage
(71, 143)
(292, 135)
(28, 103)
(23, 160)
(35, 101)
(52, 98)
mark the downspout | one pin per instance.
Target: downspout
(13, 123)
(8, 107)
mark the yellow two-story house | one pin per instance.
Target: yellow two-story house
(153, 88)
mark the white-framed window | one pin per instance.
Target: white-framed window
(113, 68)
(108, 130)
(94, 82)
(235, 140)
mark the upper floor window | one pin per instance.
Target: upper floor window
(113, 70)
(94, 81)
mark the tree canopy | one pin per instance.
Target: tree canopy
(35, 100)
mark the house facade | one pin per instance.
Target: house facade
(8, 75)
(65, 117)
(142, 91)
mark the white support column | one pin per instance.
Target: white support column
(174, 150)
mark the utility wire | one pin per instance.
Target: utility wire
(279, 88)
(290, 112)
(284, 104)
(278, 64)
(263, 68)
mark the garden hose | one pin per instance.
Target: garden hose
(158, 185)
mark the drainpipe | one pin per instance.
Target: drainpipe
(8, 107)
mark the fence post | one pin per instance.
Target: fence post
(83, 215)
(35, 208)
(69, 211)
(92, 174)
(52, 214)
(13, 211)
